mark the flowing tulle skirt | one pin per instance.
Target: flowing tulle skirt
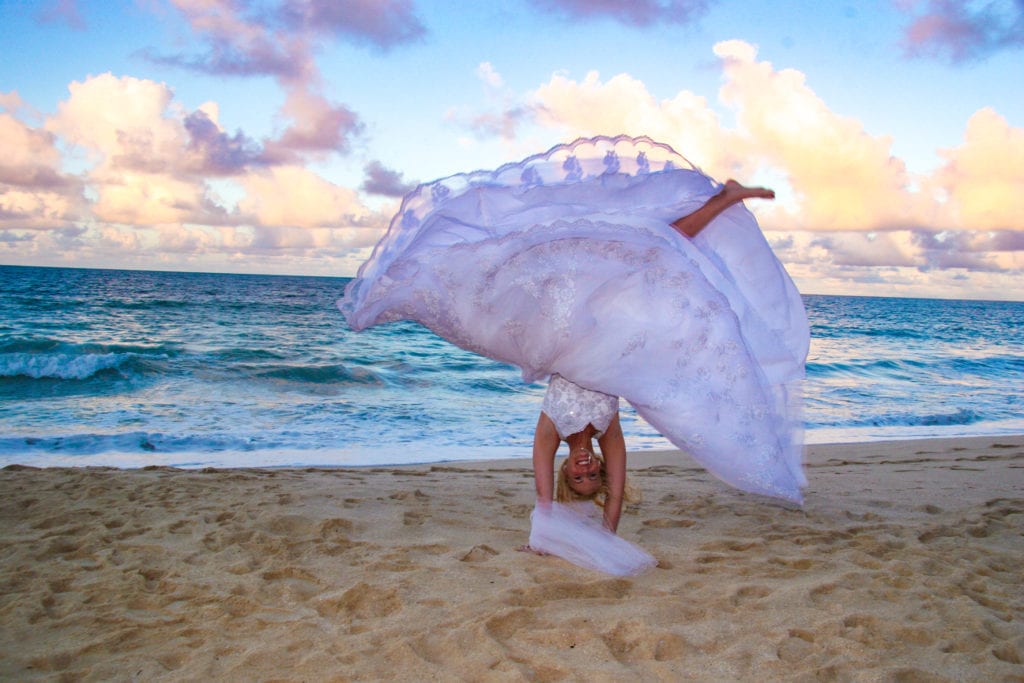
(574, 532)
(566, 263)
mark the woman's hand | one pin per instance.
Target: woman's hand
(527, 549)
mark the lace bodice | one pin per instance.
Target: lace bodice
(572, 408)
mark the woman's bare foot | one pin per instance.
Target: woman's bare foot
(737, 193)
(731, 193)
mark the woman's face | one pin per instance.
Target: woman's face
(583, 472)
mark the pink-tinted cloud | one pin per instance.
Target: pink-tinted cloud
(216, 152)
(630, 12)
(963, 31)
(380, 23)
(316, 125)
(34, 191)
(239, 42)
(247, 38)
(384, 181)
(250, 39)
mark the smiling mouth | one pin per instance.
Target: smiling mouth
(583, 458)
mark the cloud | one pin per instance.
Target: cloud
(292, 196)
(239, 41)
(214, 151)
(278, 39)
(316, 125)
(487, 73)
(964, 31)
(952, 250)
(124, 122)
(11, 102)
(826, 255)
(981, 180)
(834, 175)
(848, 209)
(622, 104)
(838, 176)
(380, 23)
(150, 159)
(384, 181)
(150, 168)
(248, 38)
(150, 172)
(630, 12)
(843, 177)
(34, 192)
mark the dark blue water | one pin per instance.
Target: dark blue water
(132, 368)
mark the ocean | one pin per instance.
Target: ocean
(130, 368)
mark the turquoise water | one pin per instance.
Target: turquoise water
(132, 368)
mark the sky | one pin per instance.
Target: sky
(260, 136)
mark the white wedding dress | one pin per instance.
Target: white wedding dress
(566, 263)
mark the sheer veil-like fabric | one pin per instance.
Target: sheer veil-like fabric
(566, 263)
(573, 531)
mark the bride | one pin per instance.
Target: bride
(614, 264)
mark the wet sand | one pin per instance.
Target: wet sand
(905, 564)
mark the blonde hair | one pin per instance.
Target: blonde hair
(566, 494)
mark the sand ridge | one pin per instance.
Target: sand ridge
(906, 564)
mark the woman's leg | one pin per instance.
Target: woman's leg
(732, 193)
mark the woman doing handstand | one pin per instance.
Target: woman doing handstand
(563, 265)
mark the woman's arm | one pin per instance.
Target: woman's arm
(545, 445)
(613, 448)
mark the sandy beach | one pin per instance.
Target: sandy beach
(905, 564)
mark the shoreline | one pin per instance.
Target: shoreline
(330, 458)
(905, 563)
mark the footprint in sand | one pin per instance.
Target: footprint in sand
(748, 595)
(479, 553)
(1007, 652)
(611, 589)
(632, 641)
(666, 523)
(798, 646)
(503, 626)
(362, 601)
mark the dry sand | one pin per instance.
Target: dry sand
(906, 564)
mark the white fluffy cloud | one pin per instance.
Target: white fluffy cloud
(983, 179)
(143, 160)
(623, 104)
(843, 178)
(292, 196)
(150, 169)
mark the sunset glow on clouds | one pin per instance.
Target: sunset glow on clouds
(124, 170)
